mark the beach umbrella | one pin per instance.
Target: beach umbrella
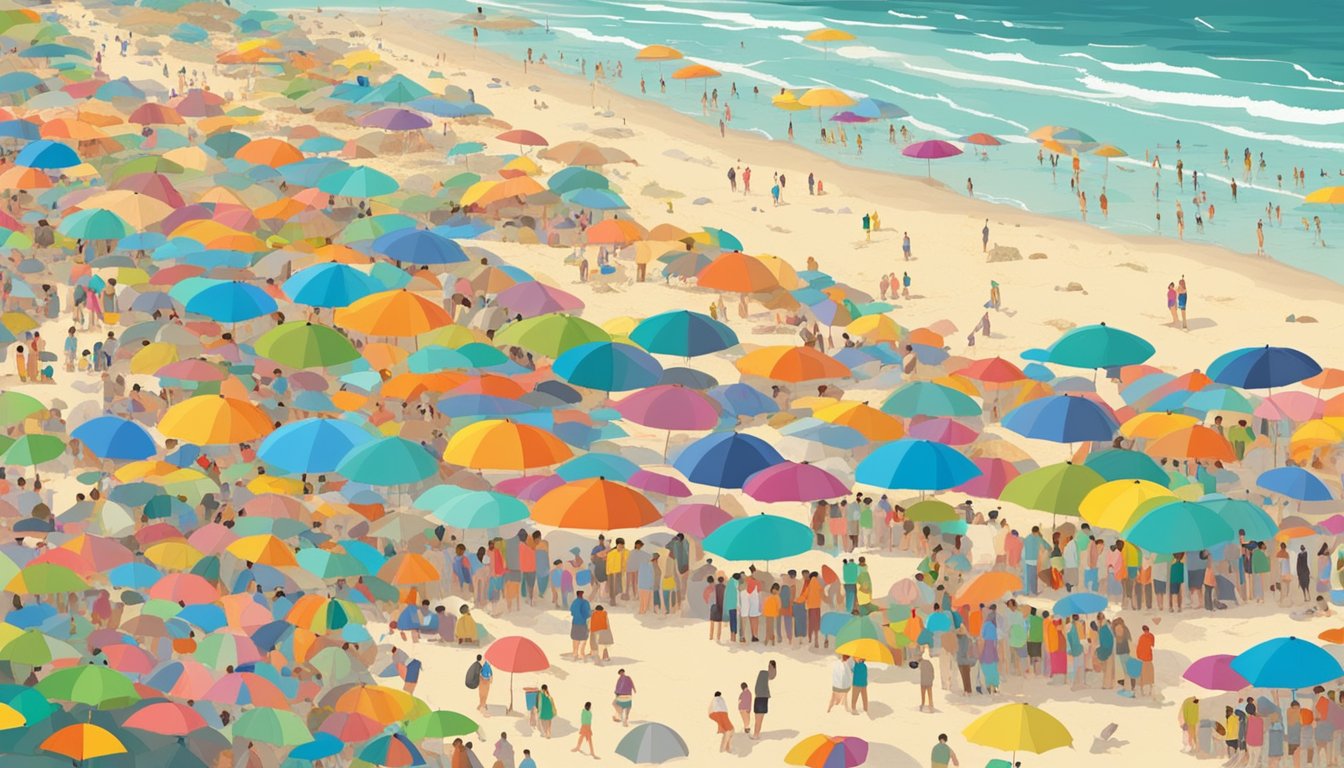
(995, 475)
(683, 333)
(736, 272)
(214, 420)
(504, 445)
(1115, 464)
(924, 398)
(532, 298)
(791, 364)
(986, 588)
(590, 465)
(867, 420)
(1243, 515)
(47, 155)
(419, 246)
(1058, 489)
(696, 72)
(31, 450)
(470, 510)
(1061, 419)
(669, 406)
(743, 400)
(794, 482)
(388, 461)
(759, 537)
(16, 406)
(1199, 442)
(359, 181)
(725, 459)
(329, 285)
(1287, 663)
(516, 654)
(1215, 673)
(166, 718)
(96, 686)
(825, 97)
(1294, 483)
(1018, 728)
(1080, 604)
(83, 741)
(300, 344)
(269, 725)
(652, 744)
(391, 749)
(695, 520)
(1098, 346)
(594, 504)
(398, 313)
(95, 224)
(550, 335)
(270, 152)
(608, 366)
(231, 301)
(311, 445)
(1327, 195)
(1262, 367)
(1177, 526)
(826, 36)
(876, 109)
(930, 150)
(441, 724)
(917, 465)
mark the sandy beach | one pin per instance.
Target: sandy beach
(1067, 275)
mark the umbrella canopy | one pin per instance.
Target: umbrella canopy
(1061, 419)
(311, 445)
(1098, 346)
(1178, 526)
(789, 481)
(1018, 728)
(1215, 673)
(83, 741)
(480, 510)
(1295, 483)
(1058, 489)
(504, 445)
(516, 654)
(651, 744)
(1288, 663)
(683, 333)
(594, 504)
(669, 406)
(917, 465)
(925, 398)
(1262, 367)
(759, 537)
(608, 366)
(791, 364)
(215, 420)
(726, 459)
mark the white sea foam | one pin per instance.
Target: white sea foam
(1269, 110)
(1204, 23)
(1014, 58)
(593, 37)
(900, 15)
(1001, 39)
(1151, 66)
(1297, 67)
(880, 25)
(745, 20)
(950, 104)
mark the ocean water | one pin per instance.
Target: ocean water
(1140, 75)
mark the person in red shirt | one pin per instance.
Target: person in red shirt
(1143, 651)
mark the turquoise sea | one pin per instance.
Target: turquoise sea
(1140, 75)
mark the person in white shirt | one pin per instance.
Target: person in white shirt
(842, 679)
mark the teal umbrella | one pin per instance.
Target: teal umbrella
(1098, 346)
(358, 182)
(480, 510)
(388, 461)
(1118, 464)
(1243, 515)
(759, 537)
(1179, 526)
(924, 398)
(95, 224)
(608, 366)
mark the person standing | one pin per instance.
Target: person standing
(925, 668)
(718, 712)
(858, 686)
(942, 755)
(579, 612)
(545, 711)
(761, 704)
(984, 238)
(503, 751)
(585, 730)
(1182, 297)
(842, 680)
(1143, 653)
(625, 697)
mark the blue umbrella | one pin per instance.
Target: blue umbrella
(1295, 483)
(818, 431)
(743, 400)
(1179, 526)
(1098, 346)
(1288, 663)
(597, 199)
(484, 406)
(1080, 604)
(358, 182)
(1061, 419)
(480, 509)
(47, 154)
(134, 576)
(20, 129)
(1262, 367)
(915, 465)
(112, 437)
(683, 333)
(419, 246)
(726, 459)
(13, 82)
(1038, 372)
(329, 285)
(608, 366)
(606, 465)
(759, 537)
(311, 445)
(575, 178)
(309, 171)
(876, 109)
(464, 148)
(231, 301)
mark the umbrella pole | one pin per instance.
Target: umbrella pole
(666, 444)
(510, 692)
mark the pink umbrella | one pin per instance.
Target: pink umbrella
(129, 659)
(516, 654)
(695, 520)
(1293, 406)
(309, 380)
(530, 488)
(942, 429)
(193, 369)
(663, 485)
(395, 119)
(532, 298)
(933, 149)
(212, 538)
(1215, 673)
(1334, 525)
(185, 588)
(994, 475)
(789, 481)
(669, 407)
(166, 718)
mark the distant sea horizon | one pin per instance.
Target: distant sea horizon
(1139, 76)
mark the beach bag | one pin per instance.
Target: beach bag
(473, 680)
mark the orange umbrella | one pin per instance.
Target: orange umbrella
(1197, 442)
(791, 364)
(658, 53)
(1296, 532)
(83, 741)
(1335, 636)
(987, 588)
(215, 420)
(504, 445)
(1329, 378)
(867, 420)
(263, 548)
(408, 568)
(383, 704)
(739, 273)
(393, 313)
(594, 504)
(614, 232)
(695, 72)
(269, 151)
(20, 177)
(410, 386)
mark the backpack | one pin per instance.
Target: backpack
(474, 676)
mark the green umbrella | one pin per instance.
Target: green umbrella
(373, 227)
(143, 164)
(31, 450)
(933, 511)
(440, 724)
(305, 345)
(924, 398)
(95, 224)
(272, 726)
(8, 569)
(95, 685)
(1057, 489)
(36, 649)
(333, 663)
(550, 335)
(388, 461)
(16, 406)
(859, 628)
(480, 509)
(46, 579)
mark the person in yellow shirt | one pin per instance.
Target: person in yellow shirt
(770, 609)
(617, 558)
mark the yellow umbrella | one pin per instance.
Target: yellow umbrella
(868, 649)
(451, 336)
(1155, 425)
(83, 741)
(504, 445)
(263, 548)
(11, 718)
(153, 356)
(865, 419)
(215, 420)
(1330, 195)
(696, 72)
(139, 470)
(393, 313)
(1112, 505)
(658, 53)
(787, 101)
(139, 210)
(825, 97)
(782, 270)
(875, 328)
(1018, 728)
(1317, 433)
(1108, 151)
(825, 36)
(522, 164)
(174, 554)
(17, 322)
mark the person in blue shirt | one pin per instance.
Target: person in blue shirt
(579, 612)
(279, 384)
(527, 761)
(859, 685)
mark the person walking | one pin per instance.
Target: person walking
(625, 696)
(580, 611)
(585, 730)
(761, 705)
(858, 686)
(479, 676)
(842, 679)
(718, 712)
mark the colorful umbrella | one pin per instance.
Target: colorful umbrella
(594, 504)
(652, 744)
(1215, 673)
(917, 465)
(759, 537)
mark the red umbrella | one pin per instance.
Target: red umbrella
(516, 654)
(166, 718)
(695, 520)
(995, 370)
(523, 138)
(994, 475)
(154, 185)
(981, 139)
(151, 113)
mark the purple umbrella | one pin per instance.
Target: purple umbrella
(942, 429)
(663, 485)
(532, 298)
(933, 149)
(1215, 673)
(794, 482)
(669, 407)
(395, 119)
(848, 117)
(529, 488)
(695, 520)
